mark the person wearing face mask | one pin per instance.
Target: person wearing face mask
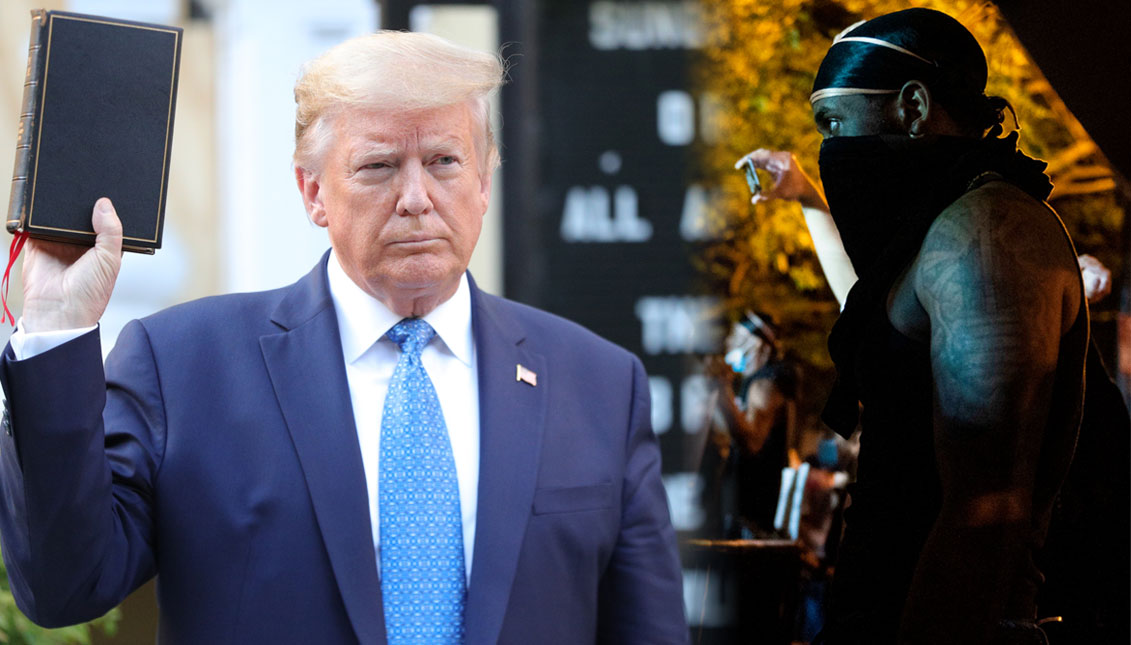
(960, 350)
(750, 345)
(753, 431)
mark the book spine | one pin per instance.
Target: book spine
(25, 135)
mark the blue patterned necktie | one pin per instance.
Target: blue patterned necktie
(422, 570)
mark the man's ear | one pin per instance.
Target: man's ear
(309, 186)
(485, 190)
(915, 109)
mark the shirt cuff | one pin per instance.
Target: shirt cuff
(27, 345)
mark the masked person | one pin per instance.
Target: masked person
(960, 350)
(753, 432)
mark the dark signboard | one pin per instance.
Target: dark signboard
(601, 208)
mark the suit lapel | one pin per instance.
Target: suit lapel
(510, 437)
(305, 365)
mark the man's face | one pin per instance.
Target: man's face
(403, 197)
(855, 115)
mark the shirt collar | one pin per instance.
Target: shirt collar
(363, 320)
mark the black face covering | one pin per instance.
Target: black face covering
(884, 192)
(876, 184)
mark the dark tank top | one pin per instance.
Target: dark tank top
(897, 495)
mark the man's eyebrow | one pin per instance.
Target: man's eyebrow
(375, 148)
(444, 142)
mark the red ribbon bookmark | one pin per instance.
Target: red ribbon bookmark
(18, 240)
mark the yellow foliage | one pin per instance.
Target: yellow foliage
(758, 68)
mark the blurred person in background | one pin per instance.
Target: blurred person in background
(752, 433)
(822, 518)
(1086, 561)
(960, 349)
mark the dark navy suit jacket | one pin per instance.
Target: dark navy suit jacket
(218, 451)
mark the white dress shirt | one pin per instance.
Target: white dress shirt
(450, 362)
(28, 345)
(370, 358)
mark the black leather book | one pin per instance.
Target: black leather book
(97, 120)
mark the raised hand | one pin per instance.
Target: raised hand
(792, 183)
(1096, 276)
(67, 286)
(790, 180)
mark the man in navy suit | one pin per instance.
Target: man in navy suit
(231, 446)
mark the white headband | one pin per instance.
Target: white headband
(843, 91)
(883, 43)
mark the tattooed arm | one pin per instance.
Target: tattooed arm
(1000, 287)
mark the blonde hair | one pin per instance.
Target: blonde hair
(393, 70)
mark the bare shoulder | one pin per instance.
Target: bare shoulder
(995, 249)
(998, 280)
(1001, 211)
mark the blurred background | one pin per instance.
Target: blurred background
(617, 204)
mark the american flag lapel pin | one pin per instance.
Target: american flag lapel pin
(525, 375)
